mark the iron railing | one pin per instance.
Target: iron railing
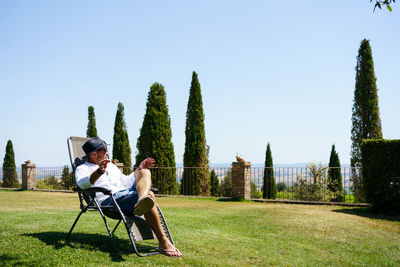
(292, 183)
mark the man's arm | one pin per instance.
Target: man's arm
(145, 164)
(100, 171)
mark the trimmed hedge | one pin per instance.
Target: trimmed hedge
(381, 174)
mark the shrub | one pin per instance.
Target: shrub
(226, 185)
(254, 192)
(215, 187)
(49, 182)
(281, 187)
(381, 174)
(67, 178)
(313, 187)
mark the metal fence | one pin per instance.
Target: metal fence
(292, 183)
(306, 183)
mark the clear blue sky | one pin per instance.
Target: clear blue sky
(270, 71)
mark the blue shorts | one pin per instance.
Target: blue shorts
(126, 200)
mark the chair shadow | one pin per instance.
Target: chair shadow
(368, 213)
(92, 242)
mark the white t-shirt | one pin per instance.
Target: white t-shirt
(113, 179)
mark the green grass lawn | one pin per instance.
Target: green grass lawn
(33, 226)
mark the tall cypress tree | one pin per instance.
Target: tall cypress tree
(91, 127)
(335, 183)
(269, 187)
(10, 178)
(121, 148)
(195, 181)
(366, 123)
(155, 141)
(215, 191)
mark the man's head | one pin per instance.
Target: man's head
(95, 149)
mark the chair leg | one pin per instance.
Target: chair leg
(76, 220)
(165, 226)
(132, 239)
(108, 228)
(115, 228)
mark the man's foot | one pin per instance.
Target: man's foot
(175, 253)
(143, 206)
(166, 248)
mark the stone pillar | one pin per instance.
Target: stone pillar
(120, 166)
(28, 176)
(241, 176)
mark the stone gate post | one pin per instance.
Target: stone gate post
(241, 176)
(28, 176)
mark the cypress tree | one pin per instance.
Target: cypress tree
(269, 187)
(195, 181)
(366, 123)
(155, 141)
(335, 183)
(10, 178)
(121, 148)
(214, 184)
(67, 178)
(91, 127)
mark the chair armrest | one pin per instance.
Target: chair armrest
(93, 190)
(102, 190)
(154, 190)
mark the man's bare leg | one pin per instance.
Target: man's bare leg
(143, 186)
(143, 183)
(153, 220)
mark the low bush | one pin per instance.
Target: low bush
(49, 182)
(313, 187)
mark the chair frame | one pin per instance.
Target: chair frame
(88, 202)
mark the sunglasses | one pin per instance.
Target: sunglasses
(103, 149)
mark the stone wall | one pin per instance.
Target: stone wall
(241, 179)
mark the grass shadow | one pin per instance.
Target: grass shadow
(92, 242)
(232, 199)
(368, 213)
(18, 261)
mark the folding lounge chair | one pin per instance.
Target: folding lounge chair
(137, 227)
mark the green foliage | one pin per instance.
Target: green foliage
(254, 192)
(67, 178)
(313, 186)
(380, 3)
(226, 184)
(281, 187)
(381, 174)
(197, 182)
(269, 186)
(10, 177)
(121, 148)
(215, 187)
(49, 182)
(91, 127)
(335, 183)
(155, 140)
(366, 123)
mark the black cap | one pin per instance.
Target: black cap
(93, 145)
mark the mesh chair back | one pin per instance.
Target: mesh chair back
(75, 144)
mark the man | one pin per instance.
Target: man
(132, 192)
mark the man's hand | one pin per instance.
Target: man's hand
(103, 164)
(147, 163)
